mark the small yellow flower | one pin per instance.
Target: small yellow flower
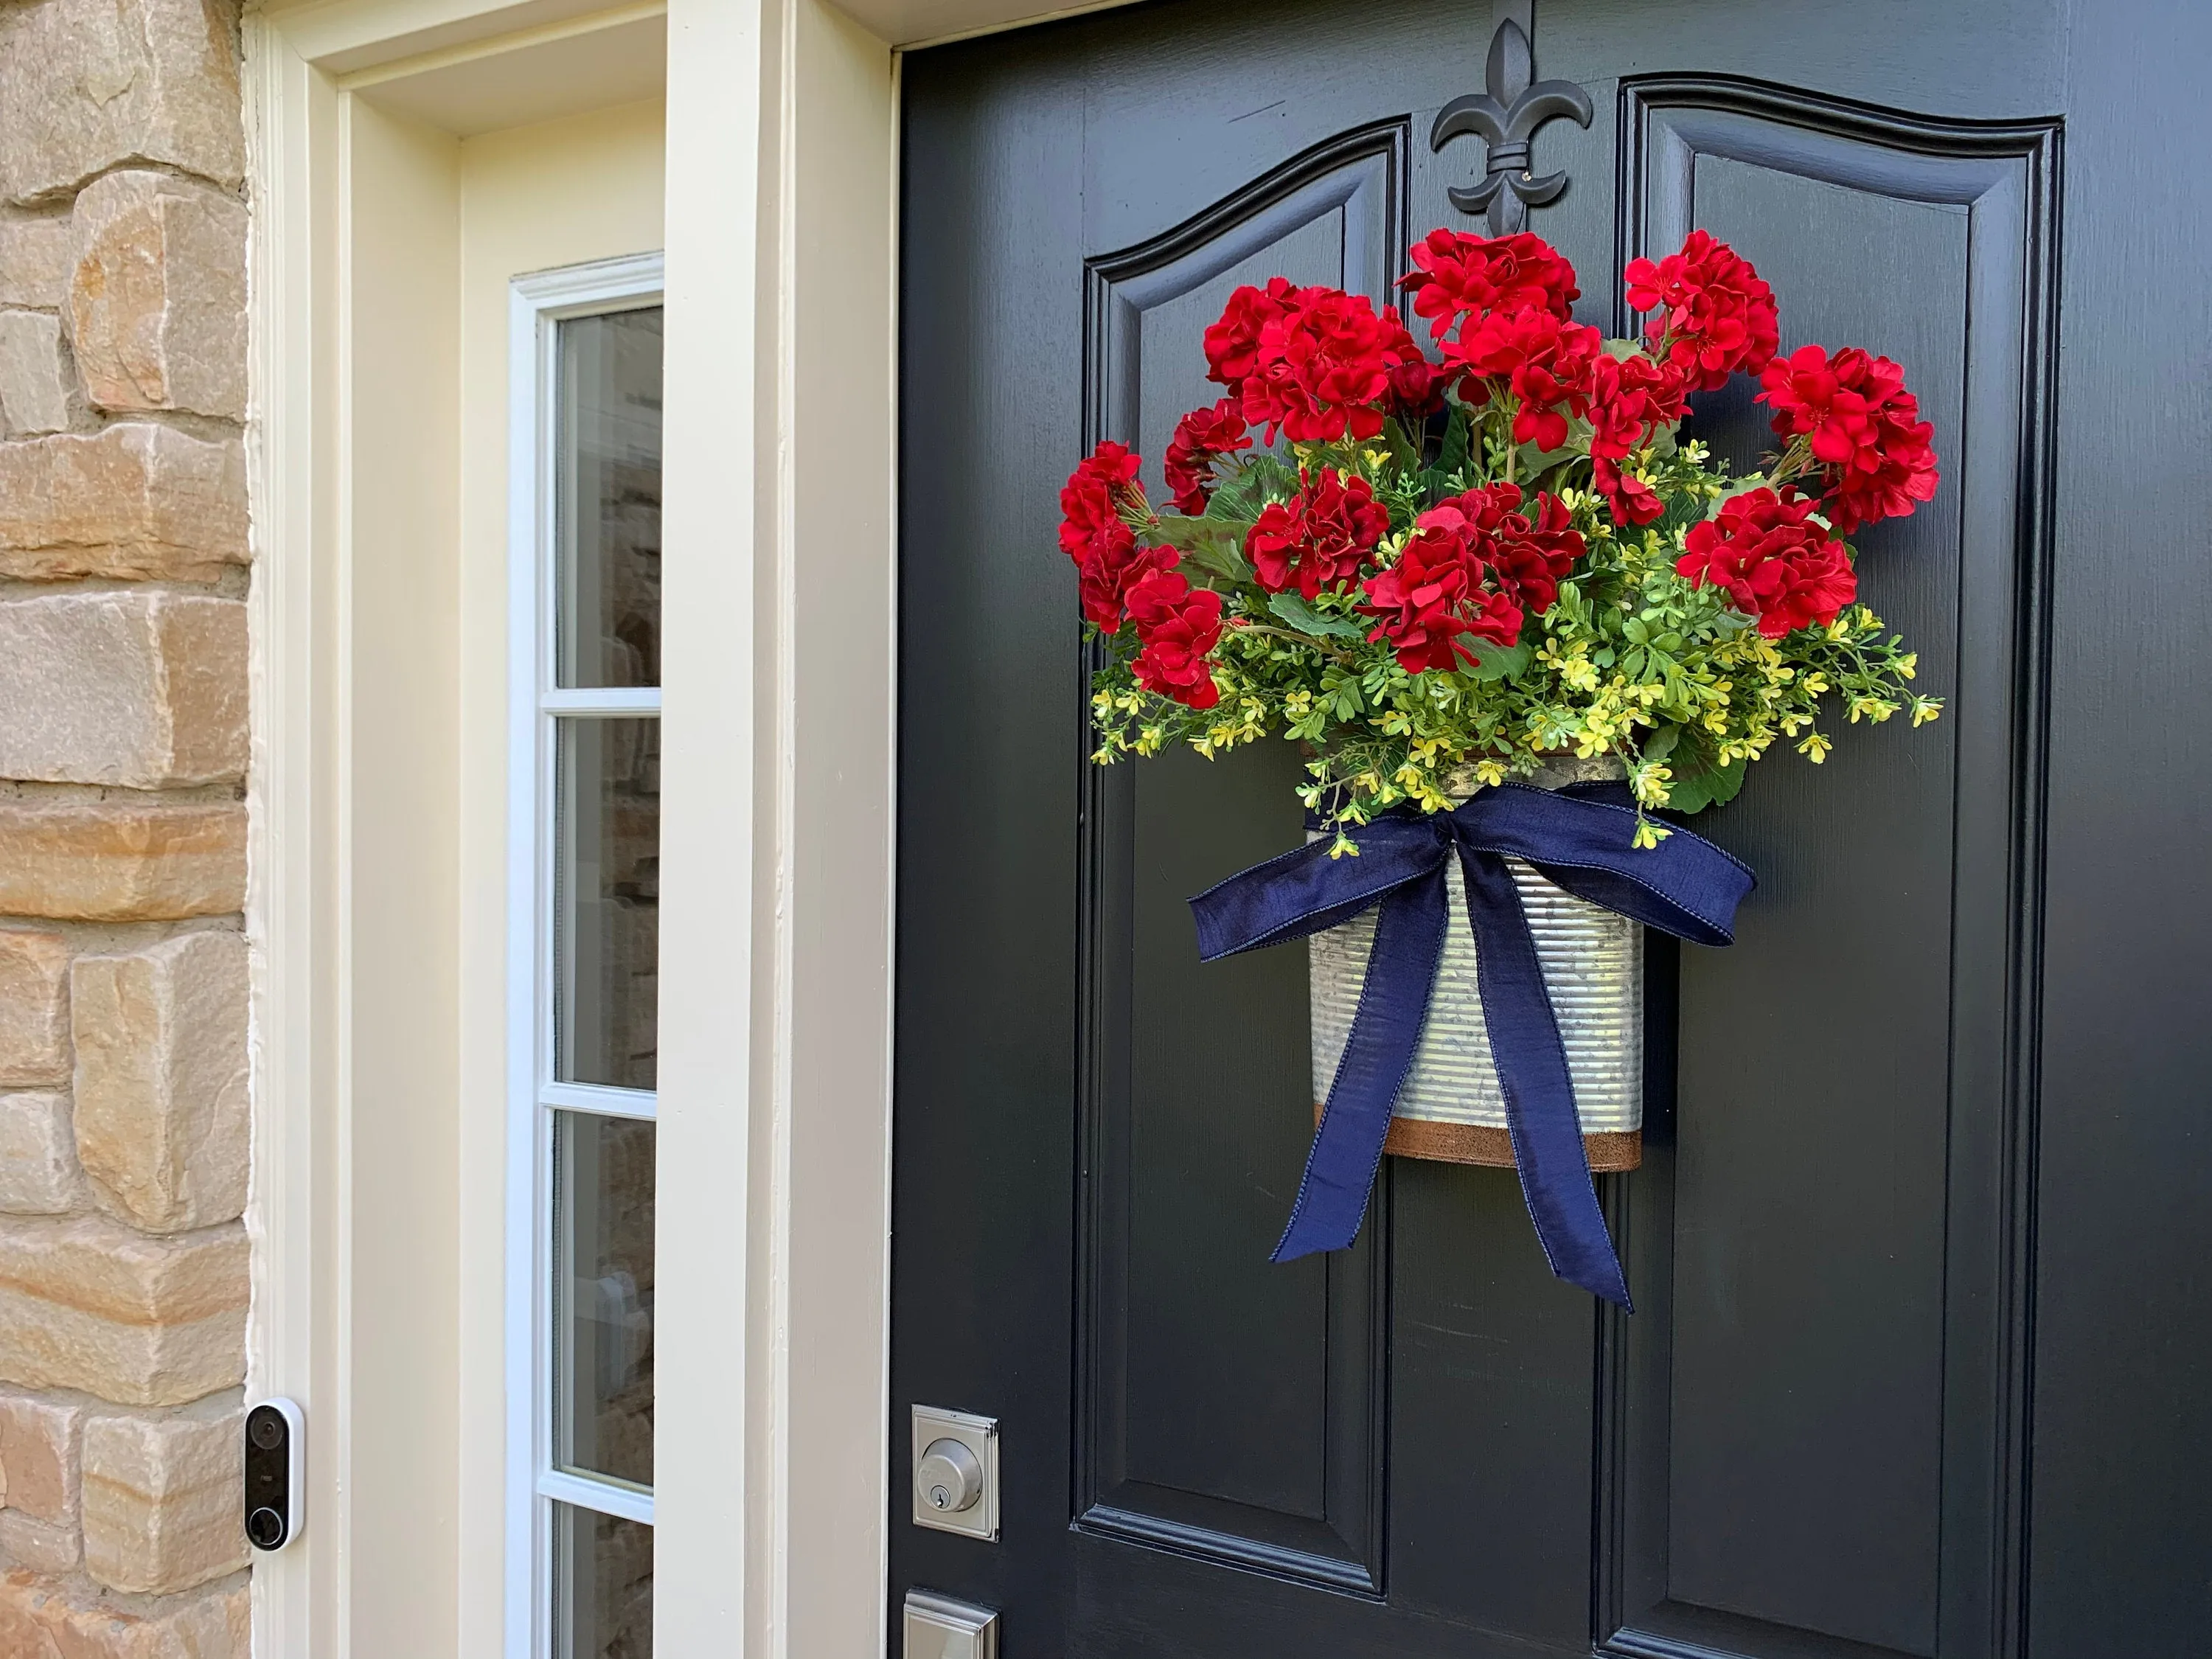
(1814, 748)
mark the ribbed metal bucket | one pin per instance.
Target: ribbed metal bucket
(1450, 1106)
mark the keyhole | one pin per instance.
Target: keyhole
(939, 1497)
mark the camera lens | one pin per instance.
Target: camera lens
(267, 1429)
(265, 1528)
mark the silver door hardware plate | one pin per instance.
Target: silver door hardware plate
(938, 1627)
(956, 1472)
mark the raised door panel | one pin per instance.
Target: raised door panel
(1230, 1409)
(1814, 1419)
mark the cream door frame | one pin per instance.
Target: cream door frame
(780, 722)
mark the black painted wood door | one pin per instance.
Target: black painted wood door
(1921, 1354)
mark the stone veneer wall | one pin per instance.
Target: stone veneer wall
(123, 1135)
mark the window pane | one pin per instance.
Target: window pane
(608, 516)
(602, 1589)
(606, 905)
(603, 1317)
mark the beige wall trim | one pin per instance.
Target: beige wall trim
(469, 51)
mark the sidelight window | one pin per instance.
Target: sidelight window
(585, 807)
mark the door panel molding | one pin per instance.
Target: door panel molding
(2004, 176)
(1360, 177)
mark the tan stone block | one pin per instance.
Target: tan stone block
(117, 80)
(39, 1619)
(38, 1173)
(122, 860)
(40, 1544)
(34, 1008)
(157, 295)
(133, 501)
(42, 1443)
(35, 261)
(160, 1502)
(162, 1111)
(33, 381)
(89, 1304)
(140, 689)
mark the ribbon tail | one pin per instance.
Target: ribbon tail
(1393, 1003)
(1539, 1094)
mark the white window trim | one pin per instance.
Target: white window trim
(537, 304)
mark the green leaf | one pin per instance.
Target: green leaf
(1183, 534)
(1728, 781)
(1697, 786)
(1404, 450)
(1458, 438)
(1661, 743)
(1499, 662)
(1213, 547)
(1304, 617)
(1457, 447)
(1533, 463)
(1220, 560)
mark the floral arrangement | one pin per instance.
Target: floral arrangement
(1439, 573)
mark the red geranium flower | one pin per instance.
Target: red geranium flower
(1323, 366)
(1093, 533)
(1091, 502)
(1443, 586)
(1459, 274)
(1232, 345)
(1544, 363)
(1630, 398)
(1200, 437)
(1716, 315)
(1776, 564)
(1531, 558)
(1177, 626)
(1863, 427)
(1417, 386)
(1632, 501)
(1318, 538)
(1115, 566)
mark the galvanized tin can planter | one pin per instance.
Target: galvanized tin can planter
(1450, 1106)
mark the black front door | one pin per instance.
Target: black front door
(1920, 1354)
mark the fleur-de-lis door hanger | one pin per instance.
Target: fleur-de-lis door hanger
(1506, 116)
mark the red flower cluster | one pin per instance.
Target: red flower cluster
(1776, 564)
(1176, 627)
(1093, 534)
(1318, 365)
(1318, 538)
(1544, 364)
(1630, 398)
(1716, 315)
(1200, 437)
(1315, 364)
(1473, 565)
(1863, 427)
(1459, 276)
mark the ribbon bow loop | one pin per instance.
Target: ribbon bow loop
(1581, 839)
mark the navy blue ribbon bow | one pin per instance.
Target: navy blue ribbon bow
(1579, 838)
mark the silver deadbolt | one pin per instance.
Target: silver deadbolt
(949, 1478)
(956, 1473)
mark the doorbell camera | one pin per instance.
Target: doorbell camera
(275, 1474)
